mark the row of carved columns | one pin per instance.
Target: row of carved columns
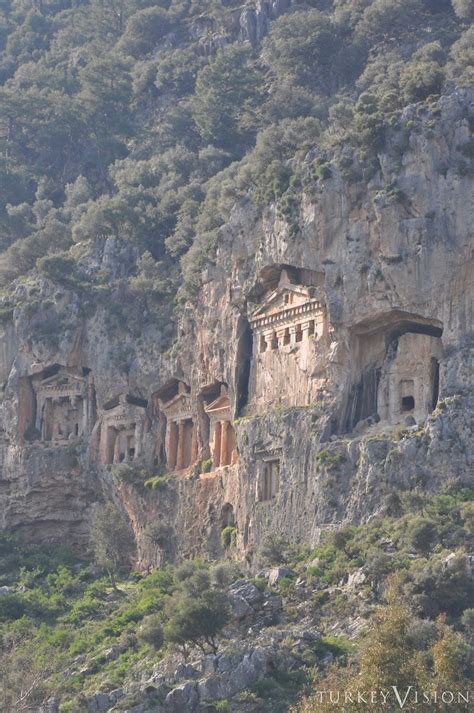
(223, 448)
(272, 339)
(182, 444)
(53, 415)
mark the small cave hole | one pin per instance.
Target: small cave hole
(408, 403)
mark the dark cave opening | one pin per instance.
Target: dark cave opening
(243, 360)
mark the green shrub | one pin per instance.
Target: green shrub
(223, 706)
(229, 537)
(59, 267)
(151, 631)
(438, 587)
(159, 482)
(330, 459)
(129, 474)
(6, 311)
(467, 514)
(420, 534)
(267, 688)
(12, 606)
(197, 620)
(337, 645)
(206, 466)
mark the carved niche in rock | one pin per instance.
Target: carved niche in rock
(287, 328)
(56, 404)
(121, 429)
(409, 380)
(395, 360)
(181, 444)
(221, 431)
(268, 474)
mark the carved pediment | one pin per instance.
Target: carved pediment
(282, 298)
(61, 384)
(63, 380)
(122, 410)
(180, 406)
(219, 408)
(220, 404)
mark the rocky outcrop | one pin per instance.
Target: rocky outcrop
(254, 21)
(326, 415)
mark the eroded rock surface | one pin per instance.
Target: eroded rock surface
(315, 374)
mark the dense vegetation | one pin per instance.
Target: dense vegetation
(66, 629)
(146, 119)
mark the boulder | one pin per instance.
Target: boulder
(240, 607)
(246, 590)
(183, 698)
(99, 702)
(116, 694)
(356, 579)
(185, 670)
(310, 635)
(276, 574)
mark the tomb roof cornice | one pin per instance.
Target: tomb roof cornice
(178, 398)
(287, 315)
(278, 292)
(220, 404)
(65, 389)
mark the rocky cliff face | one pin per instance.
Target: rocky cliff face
(339, 357)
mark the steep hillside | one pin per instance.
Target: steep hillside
(367, 599)
(237, 308)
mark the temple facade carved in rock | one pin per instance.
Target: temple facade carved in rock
(56, 404)
(409, 381)
(181, 440)
(288, 328)
(221, 433)
(121, 429)
(396, 370)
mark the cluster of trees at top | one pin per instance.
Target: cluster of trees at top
(144, 119)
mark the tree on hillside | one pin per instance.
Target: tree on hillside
(197, 620)
(112, 540)
(464, 9)
(227, 93)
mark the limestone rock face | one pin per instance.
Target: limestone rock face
(317, 372)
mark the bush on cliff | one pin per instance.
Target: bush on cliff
(112, 540)
(197, 621)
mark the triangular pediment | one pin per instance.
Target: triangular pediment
(180, 405)
(177, 400)
(222, 402)
(275, 301)
(62, 380)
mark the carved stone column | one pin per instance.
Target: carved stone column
(85, 417)
(180, 453)
(281, 337)
(232, 445)
(194, 445)
(117, 448)
(172, 449)
(269, 340)
(216, 448)
(224, 460)
(138, 434)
